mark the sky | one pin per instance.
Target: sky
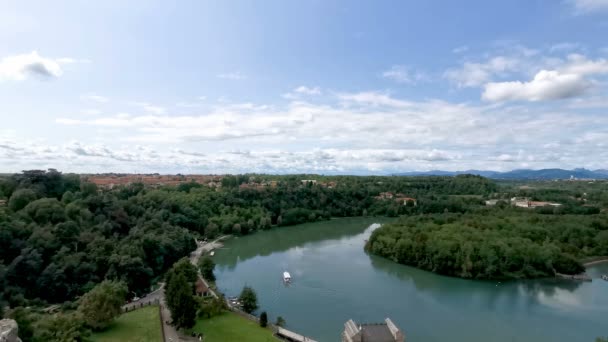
(328, 87)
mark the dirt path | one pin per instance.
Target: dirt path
(599, 261)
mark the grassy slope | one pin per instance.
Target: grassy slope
(232, 327)
(141, 325)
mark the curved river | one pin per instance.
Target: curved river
(335, 280)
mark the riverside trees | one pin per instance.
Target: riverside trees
(493, 243)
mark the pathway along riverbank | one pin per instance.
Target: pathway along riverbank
(596, 261)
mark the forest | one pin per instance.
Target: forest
(61, 235)
(494, 242)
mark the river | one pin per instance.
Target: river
(335, 280)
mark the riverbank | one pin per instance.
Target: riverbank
(599, 260)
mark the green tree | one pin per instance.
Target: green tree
(263, 319)
(60, 328)
(249, 299)
(102, 304)
(21, 198)
(25, 320)
(206, 266)
(185, 268)
(181, 301)
(280, 322)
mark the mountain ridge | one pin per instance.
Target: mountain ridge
(540, 174)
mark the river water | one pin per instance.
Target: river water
(335, 280)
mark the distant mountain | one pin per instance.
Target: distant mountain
(519, 174)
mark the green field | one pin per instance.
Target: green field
(141, 325)
(232, 327)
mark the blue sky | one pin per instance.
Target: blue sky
(311, 86)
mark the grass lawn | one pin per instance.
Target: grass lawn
(232, 327)
(141, 325)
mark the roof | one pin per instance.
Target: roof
(201, 287)
(376, 333)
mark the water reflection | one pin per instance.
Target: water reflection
(290, 239)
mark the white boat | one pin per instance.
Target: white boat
(212, 253)
(286, 277)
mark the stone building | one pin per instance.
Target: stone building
(375, 332)
(9, 331)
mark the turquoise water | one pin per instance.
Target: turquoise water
(335, 280)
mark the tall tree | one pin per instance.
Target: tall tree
(206, 266)
(263, 319)
(181, 301)
(102, 304)
(249, 299)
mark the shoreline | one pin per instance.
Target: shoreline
(594, 262)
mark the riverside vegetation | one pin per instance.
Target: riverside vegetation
(62, 236)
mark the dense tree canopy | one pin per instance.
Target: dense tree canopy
(493, 243)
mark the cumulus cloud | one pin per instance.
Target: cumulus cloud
(234, 75)
(546, 85)
(472, 74)
(568, 80)
(21, 67)
(588, 6)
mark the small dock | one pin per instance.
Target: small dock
(291, 336)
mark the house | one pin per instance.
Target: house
(308, 181)
(375, 332)
(201, 288)
(385, 195)
(521, 202)
(526, 203)
(536, 204)
(2, 202)
(405, 200)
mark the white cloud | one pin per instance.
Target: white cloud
(546, 85)
(564, 46)
(153, 109)
(357, 133)
(302, 90)
(398, 73)
(21, 67)
(91, 112)
(475, 74)
(402, 74)
(581, 65)
(94, 98)
(588, 6)
(568, 80)
(460, 49)
(308, 91)
(234, 75)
